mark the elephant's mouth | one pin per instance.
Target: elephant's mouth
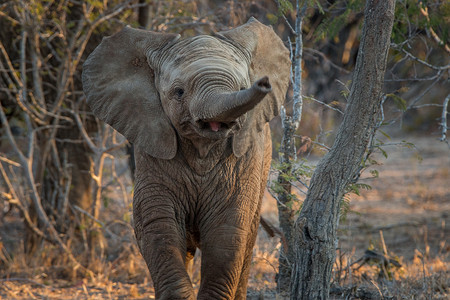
(216, 129)
(215, 126)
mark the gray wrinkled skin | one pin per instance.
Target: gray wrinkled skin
(197, 111)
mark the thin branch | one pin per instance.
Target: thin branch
(321, 145)
(380, 122)
(298, 100)
(298, 179)
(84, 134)
(9, 135)
(317, 52)
(13, 21)
(325, 104)
(8, 161)
(343, 85)
(23, 74)
(15, 200)
(21, 81)
(30, 112)
(426, 105)
(62, 207)
(444, 120)
(48, 113)
(291, 51)
(37, 65)
(276, 198)
(414, 78)
(427, 89)
(10, 69)
(291, 29)
(8, 182)
(102, 225)
(114, 147)
(437, 68)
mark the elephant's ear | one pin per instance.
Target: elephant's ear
(269, 57)
(120, 88)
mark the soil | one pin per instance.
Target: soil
(405, 216)
(409, 204)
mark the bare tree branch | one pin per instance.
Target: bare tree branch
(325, 104)
(291, 29)
(437, 68)
(6, 160)
(444, 120)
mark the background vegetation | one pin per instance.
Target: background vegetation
(66, 186)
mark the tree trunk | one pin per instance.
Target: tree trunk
(315, 229)
(286, 215)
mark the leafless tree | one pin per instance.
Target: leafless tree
(54, 149)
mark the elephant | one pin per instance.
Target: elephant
(197, 111)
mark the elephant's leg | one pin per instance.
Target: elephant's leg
(223, 255)
(163, 246)
(241, 292)
(166, 260)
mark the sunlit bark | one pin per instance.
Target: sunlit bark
(315, 232)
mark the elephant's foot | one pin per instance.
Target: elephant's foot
(174, 293)
(172, 283)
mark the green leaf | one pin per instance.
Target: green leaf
(374, 173)
(127, 217)
(272, 18)
(383, 152)
(290, 204)
(353, 188)
(319, 6)
(384, 133)
(408, 145)
(372, 161)
(106, 201)
(285, 6)
(364, 186)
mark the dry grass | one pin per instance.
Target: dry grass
(406, 215)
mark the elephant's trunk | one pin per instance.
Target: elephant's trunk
(227, 107)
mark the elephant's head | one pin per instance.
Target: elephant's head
(150, 86)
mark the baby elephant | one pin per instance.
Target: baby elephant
(197, 111)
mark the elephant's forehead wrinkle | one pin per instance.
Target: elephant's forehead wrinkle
(205, 62)
(206, 50)
(209, 65)
(213, 80)
(205, 76)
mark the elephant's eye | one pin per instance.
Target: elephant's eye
(179, 92)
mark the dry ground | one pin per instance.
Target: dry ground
(406, 215)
